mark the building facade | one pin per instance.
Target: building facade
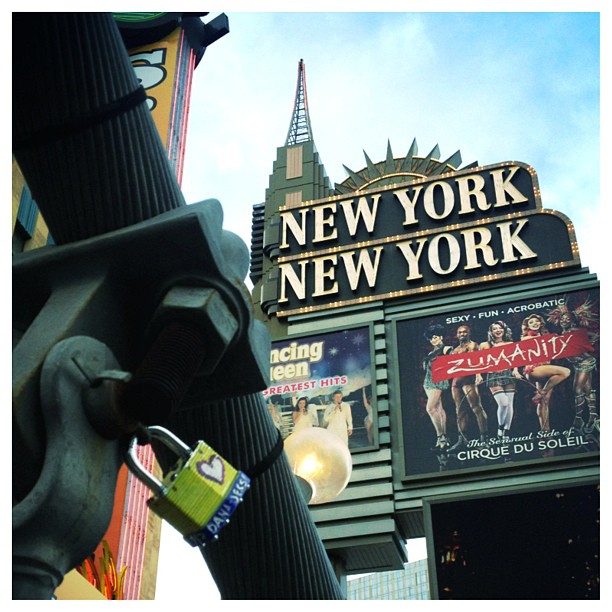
(430, 293)
(408, 583)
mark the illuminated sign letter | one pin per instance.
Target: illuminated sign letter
(449, 200)
(511, 241)
(503, 185)
(287, 273)
(411, 257)
(408, 204)
(471, 246)
(321, 274)
(363, 211)
(353, 272)
(453, 250)
(321, 221)
(289, 223)
(471, 187)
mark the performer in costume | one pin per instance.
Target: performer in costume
(584, 364)
(368, 421)
(338, 417)
(546, 375)
(465, 387)
(304, 415)
(434, 334)
(502, 383)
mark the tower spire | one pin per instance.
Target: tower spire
(299, 129)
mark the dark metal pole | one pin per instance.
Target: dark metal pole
(270, 549)
(83, 139)
(94, 162)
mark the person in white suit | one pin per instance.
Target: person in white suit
(338, 418)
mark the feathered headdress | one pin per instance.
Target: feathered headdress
(582, 315)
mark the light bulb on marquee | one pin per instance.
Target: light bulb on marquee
(321, 461)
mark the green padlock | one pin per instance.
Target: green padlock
(201, 492)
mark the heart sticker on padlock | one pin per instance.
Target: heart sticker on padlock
(213, 469)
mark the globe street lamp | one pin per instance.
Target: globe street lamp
(321, 462)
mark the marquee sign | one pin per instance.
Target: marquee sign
(458, 228)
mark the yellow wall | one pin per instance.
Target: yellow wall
(18, 182)
(41, 231)
(74, 586)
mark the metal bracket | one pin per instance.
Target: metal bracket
(110, 286)
(63, 518)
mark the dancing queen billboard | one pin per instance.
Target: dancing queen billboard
(502, 384)
(455, 229)
(307, 373)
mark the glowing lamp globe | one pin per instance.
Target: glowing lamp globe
(321, 459)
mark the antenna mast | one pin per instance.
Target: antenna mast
(300, 130)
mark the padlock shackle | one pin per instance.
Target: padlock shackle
(174, 443)
(171, 441)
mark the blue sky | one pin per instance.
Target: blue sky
(520, 86)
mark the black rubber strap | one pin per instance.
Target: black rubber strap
(57, 132)
(143, 435)
(267, 461)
